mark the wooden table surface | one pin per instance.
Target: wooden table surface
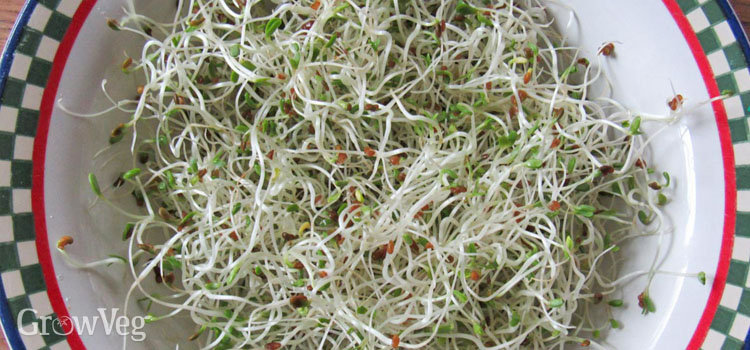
(9, 10)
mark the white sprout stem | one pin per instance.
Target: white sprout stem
(433, 173)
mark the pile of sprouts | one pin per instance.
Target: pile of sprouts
(372, 174)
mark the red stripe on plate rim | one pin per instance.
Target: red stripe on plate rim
(730, 186)
(38, 160)
(63, 52)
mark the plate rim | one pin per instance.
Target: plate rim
(12, 336)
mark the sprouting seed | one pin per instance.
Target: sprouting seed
(117, 134)
(607, 50)
(527, 76)
(126, 64)
(113, 24)
(164, 213)
(197, 334)
(676, 102)
(197, 22)
(149, 248)
(475, 275)
(64, 241)
(299, 301)
(128, 231)
(645, 302)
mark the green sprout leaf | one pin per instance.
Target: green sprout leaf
(643, 217)
(478, 329)
(128, 231)
(533, 163)
(661, 199)
(571, 165)
(234, 50)
(484, 20)
(464, 8)
(515, 319)
(407, 239)
(334, 197)
(462, 298)
(645, 302)
(242, 128)
(667, 178)
(635, 126)
(331, 41)
(94, 183)
(171, 263)
(233, 274)
(445, 328)
(297, 56)
(131, 173)
(614, 323)
(585, 210)
(534, 48)
(271, 27)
